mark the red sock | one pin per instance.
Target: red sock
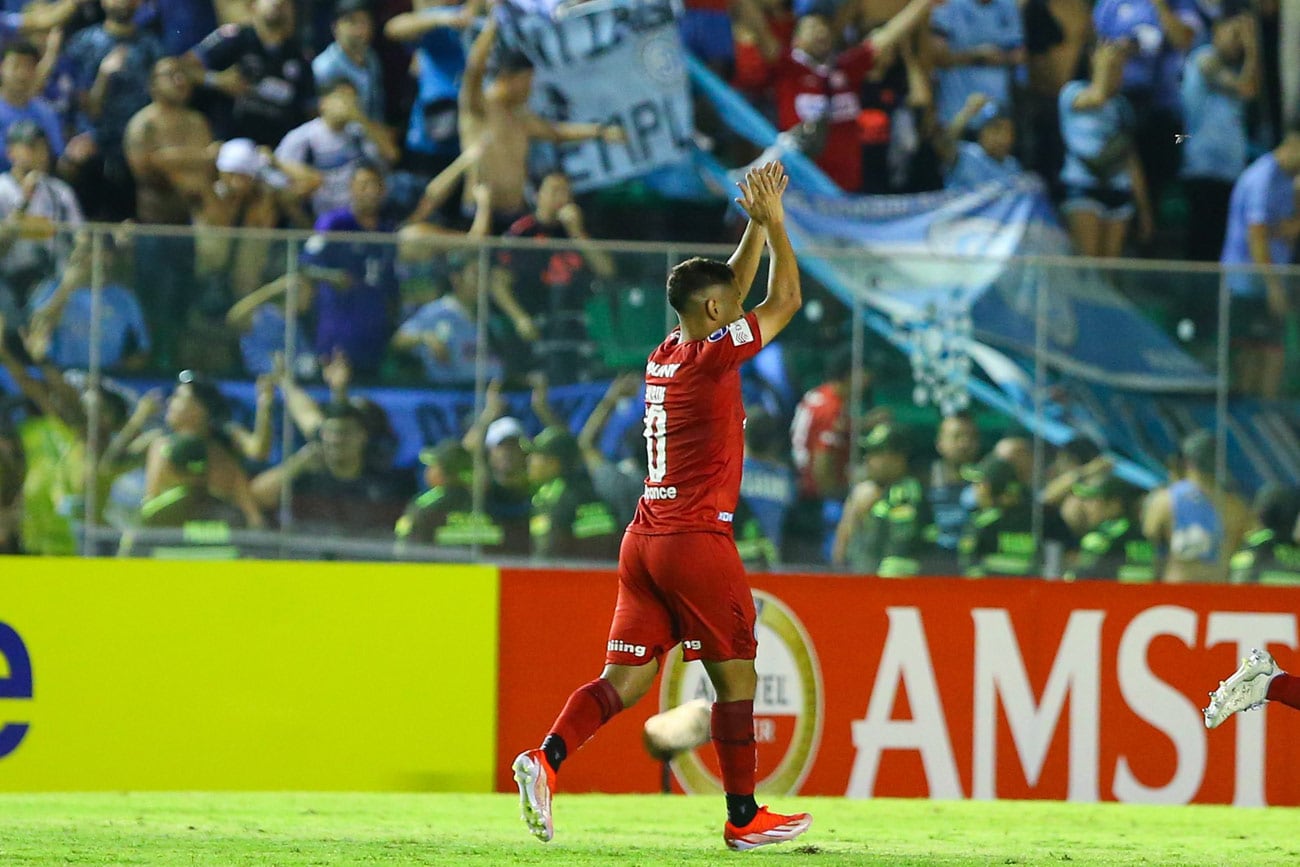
(1286, 689)
(590, 707)
(732, 727)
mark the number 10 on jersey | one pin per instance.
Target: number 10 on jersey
(656, 432)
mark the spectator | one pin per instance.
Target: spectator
(350, 57)
(619, 483)
(1219, 81)
(757, 50)
(331, 146)
(197, 408)
(63, 308)
(706, 28)
(259, 83)
(1262, 231)
(958, 445)
(509, 497)
(357, 303)
(18, 99)
(1195, 522)
(819, 434)
(897, 100)
(978, 44)
(1271, 554)
(767, 485)
(1057, 35)
(1103, 179)
(438, 65)
(332, 489)
(568, 519)
(115, 62)
(32, 203)
(36, 17)
(444, 514)
(443, 334)
(886, 528)
(1079, 459)
(259, 320)
(183, 23)
(1154, 36)
(426, 225)
(988, 158)
(544, 293)
(818, 88)
(999, 538)
(13, 474)
(190, 504)
(1112, 546)
(495, 116)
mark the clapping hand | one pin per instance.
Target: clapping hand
(761, 192)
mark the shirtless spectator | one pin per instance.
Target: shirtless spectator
(257, 78)
(495, 115)
(114, 63)
(331, 146)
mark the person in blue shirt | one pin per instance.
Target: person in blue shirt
(259, 320)
(1262, 231)
(767, 480)
(443, 334)
(61, 311)
(988, 158)
(357, 295)
(1155, 36)
(977, 43)
(1104, 182)
(1219, 81)
(18, 100)
(432, 140)
(351, 56)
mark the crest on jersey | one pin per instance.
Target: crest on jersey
(787, 710)
(741, 333)
(717, 335)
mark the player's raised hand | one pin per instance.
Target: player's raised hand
(762, 190)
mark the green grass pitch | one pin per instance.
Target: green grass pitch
(346, 829)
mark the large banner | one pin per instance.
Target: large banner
(941, 688)
(178, 676)
(612, 61)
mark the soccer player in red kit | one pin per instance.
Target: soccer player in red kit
(679, 576)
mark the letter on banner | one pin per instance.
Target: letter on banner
(1160, 705)
(1000, 673)
(17, 683)
(905, 659)
(1249, 630)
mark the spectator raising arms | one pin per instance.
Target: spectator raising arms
(977, 43)
(351, 57)
(988, 158)
(443, 334)
(19, 85)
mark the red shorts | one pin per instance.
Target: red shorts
(683, 587)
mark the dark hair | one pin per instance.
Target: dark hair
(207, 394)
(329, 85)
(1082, 450)
(342, 409)
(839, 363)
(694, 276)
(23, 47)
(367, 165)
(963, 415)
(765, 434)
(1277, 508)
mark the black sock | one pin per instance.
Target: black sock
(741, 809)
(555, 750)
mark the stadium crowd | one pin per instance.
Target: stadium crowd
(409, 125)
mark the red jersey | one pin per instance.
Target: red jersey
(804, 90)
(821, 424)
(695, 431)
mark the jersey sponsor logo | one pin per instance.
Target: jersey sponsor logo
(788, 705)
(726, 517)
(741, 333)
(717, 335)
(668, 493)
(617, 646)
(656, 393)
(663, 371)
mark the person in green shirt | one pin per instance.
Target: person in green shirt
(568, 519)
(204, 519)
(1270, 554)
(999, 537)
(1113, 546)
(444, 514)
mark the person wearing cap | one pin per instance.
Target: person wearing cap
(444, 514)
(499, 439)
(568, 519)
(32, 202)
(257, 81)
(351, 57)
(977, 44)
(1271, 554)
(887, 528)
(443, 334)
(987, 158)
(999, 539)
(19, 100)
(1195, 522)
(1078, 459)
(331, 146)
(189, 505)
(1112, 546)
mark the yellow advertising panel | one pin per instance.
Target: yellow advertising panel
(246, 675)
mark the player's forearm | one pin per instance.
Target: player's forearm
(783, 286)
(744, 262)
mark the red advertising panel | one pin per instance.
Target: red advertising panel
(944, 688)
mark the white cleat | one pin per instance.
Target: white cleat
(536, 781)
(1246, 689)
